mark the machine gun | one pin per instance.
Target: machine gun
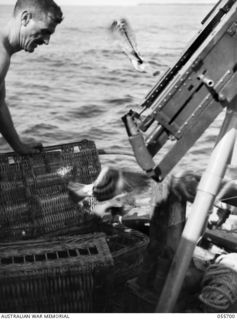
(181, 107)
(190, 95)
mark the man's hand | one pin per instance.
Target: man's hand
(8, 130)
(31, 148)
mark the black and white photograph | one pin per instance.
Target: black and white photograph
(118, 158)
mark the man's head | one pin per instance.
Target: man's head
(38, 20)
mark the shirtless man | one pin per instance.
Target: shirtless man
(32, 24)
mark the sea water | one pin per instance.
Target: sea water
(81, 84)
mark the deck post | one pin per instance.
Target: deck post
(206, 193)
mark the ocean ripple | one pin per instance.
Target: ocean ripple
(81, 84)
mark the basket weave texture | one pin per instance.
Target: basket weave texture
(55, 256)
(126, 246)
(33, 190)
(58, 275)
(73, 273)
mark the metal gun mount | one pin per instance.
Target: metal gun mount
(190, 95)
(180, 107)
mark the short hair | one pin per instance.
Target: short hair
(43, 6)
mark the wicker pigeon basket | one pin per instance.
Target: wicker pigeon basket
(54, 255)
(57, 275)
(73, 273)
(33, 190)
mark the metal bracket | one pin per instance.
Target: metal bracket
(220, 97)
(209, 84)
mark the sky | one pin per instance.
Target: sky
(115, 2)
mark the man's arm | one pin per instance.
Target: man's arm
(6, 124)
(8, 130)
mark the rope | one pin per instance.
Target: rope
(219, 287)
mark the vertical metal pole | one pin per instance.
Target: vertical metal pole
(207, 190)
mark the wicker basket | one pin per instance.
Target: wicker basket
(77, 264)
(73, 273)
(58, 275)
(33, 190)
(126, 245)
